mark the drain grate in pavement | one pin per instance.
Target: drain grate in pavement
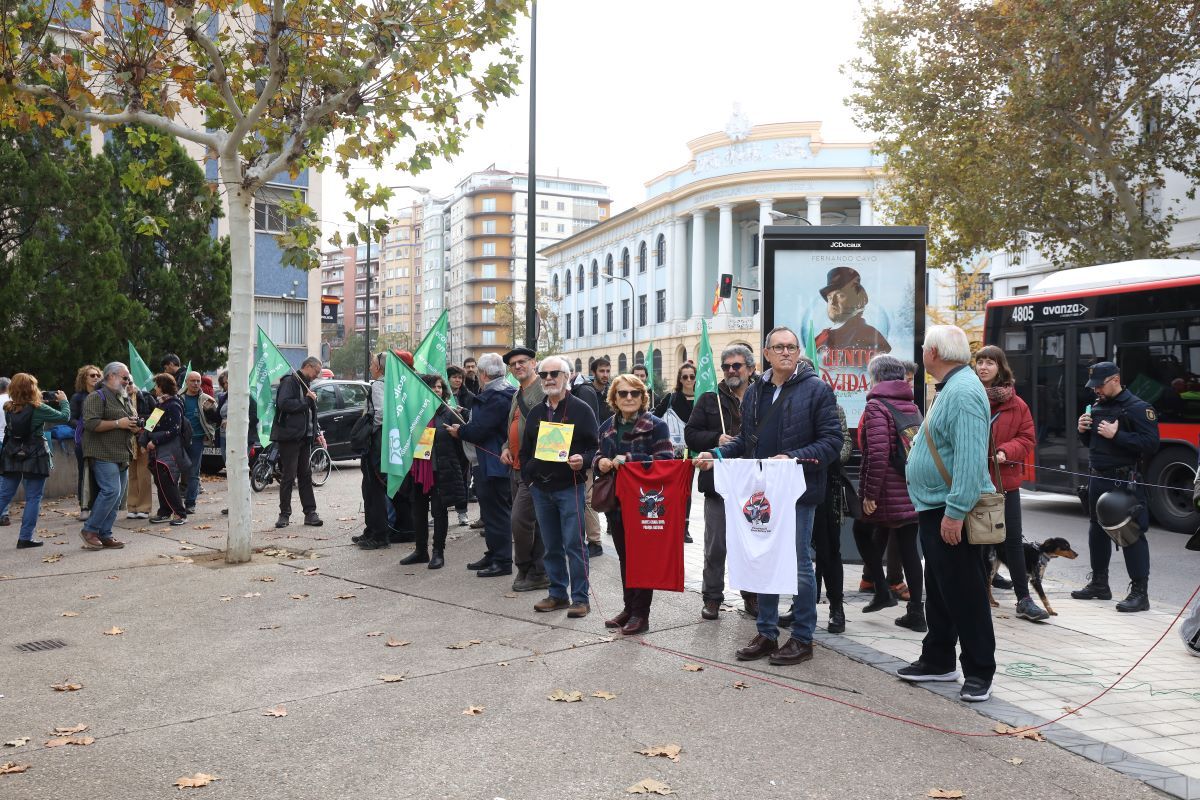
(45, 644)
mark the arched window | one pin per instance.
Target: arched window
(622, 364)
(608, 264)
(642, 257)
(658, 365)
(579, 279)
(578, 363)
(639, 358)
(681, 354)
(555, 284)
(568, 279)
(595, 273)
(660, 251)
(625, 262)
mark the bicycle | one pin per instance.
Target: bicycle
(265, 468)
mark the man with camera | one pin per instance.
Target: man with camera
(110, 429)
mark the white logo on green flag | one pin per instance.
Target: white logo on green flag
(409, 404)
(706, 370)
(269, 367)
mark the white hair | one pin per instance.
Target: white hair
(113, 368)
(566, 365)
(951, 343)
(491, 365)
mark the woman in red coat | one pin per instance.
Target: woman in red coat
(1012, 432)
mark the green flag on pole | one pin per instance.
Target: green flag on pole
(430, 355)
(269, 367)
(706, 369)
(810, 347)
(408, 405)
(650, 366)
(143, 378)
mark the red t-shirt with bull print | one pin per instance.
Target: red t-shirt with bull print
(653, 500)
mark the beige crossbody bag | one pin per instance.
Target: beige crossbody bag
(984, 522)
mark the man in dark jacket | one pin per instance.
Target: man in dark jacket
(294, 431)
(715, 420)
(790, 413)
(558, 487)
(374, 483)
(486, 429)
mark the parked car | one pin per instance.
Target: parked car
(339, 404)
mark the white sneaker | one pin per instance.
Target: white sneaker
(462, 518)
(131, 515)
(143, 515)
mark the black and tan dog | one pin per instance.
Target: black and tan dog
(1037, 558)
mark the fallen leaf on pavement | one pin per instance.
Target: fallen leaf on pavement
(252, 594)
(1071, 710)
(195, 781)
(50, 559)
(21, 742)
(265, 579)
(510, 595)
(1020, 733)
(693, 668)
(113, 578)
(277, 711)
(299, 596)
(397, 643)
(344, 597)
(474, 711)
(267, 627)
(502, 664)
(70, 731)
(70, 613)
(392, 678)
(12, 768)
(375, 633)
(573, 696)
(187, 547)
(203, 527)
(114, 631)
(66, 687)
(741, 685)
(670, 751)
(1016, 762)
(91, 597)
(463, 645)
(83, 741)
(789, 700)
(649, 786)
(181, 559)
(225, 598)
(945, 793)
(603, 695)
(310, 571)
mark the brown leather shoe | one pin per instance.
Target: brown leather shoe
(711, 610)
(635, 625)
(551, 603)
(578, 610)
(792, 652)
(759, 647)
(618, 621)
(91, 541)
(111, 544)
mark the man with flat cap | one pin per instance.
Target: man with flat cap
(846, 300)
(527, 543)
(1119, 430)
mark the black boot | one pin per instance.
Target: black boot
(418, 556)
(1138, 599)
(837, 616)
(1097, 588)
(438, 561)
(883, 599)
(914, 617)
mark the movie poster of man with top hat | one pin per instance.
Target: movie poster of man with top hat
(846, 308)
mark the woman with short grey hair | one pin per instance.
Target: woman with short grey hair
(884, 367)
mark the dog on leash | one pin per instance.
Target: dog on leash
(1037, 558)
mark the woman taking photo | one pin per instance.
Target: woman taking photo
(87, 380)
(681, 401)
(1012, 435)
(168, 455)
(24, 455)
(631, 434)
(437, 485)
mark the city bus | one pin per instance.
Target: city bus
(1145, 316)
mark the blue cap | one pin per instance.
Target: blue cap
(1101, 371)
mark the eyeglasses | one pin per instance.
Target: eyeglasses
(732, 367)
(687, 377)
(625, 394)
(550, 374)
(127, 379)
(784, 348)
(94, 375)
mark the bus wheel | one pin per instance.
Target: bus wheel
(1173, 508)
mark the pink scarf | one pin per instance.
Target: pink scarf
(422, 470)
(999, 395)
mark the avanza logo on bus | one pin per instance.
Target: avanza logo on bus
(1058, 311)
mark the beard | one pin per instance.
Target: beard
(733, 382)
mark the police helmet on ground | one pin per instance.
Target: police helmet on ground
(1117, 512)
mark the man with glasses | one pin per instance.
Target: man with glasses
(716, 419)
(790, 413)
(527, 544)
(558, 486)
(199, 408)
(1119, 430)
(110, 429)
(294, 431)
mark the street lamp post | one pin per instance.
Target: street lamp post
(632, 317)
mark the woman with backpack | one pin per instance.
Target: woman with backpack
(1012, 433)
(24, 455)
(678, 405)
(87, 380)
(167, 451)
(889, 422)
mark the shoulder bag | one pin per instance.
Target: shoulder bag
(984, 522)
(604, 492)
(364, 427)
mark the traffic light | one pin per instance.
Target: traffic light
(726, 289)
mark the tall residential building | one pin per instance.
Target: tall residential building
(435, 244)
(400, 283)
(486, 219)
(338, 275)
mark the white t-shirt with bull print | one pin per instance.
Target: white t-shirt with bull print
(760, 522)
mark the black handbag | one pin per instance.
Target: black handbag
(847, 494)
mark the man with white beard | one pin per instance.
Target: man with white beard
(110, 429)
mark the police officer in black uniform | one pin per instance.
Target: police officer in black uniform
(1121, 430)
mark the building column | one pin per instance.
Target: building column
(866, 214)
(725, 242)
(696, 273)
(764, 219)
(814, 210)
(677, 285)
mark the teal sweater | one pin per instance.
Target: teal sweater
(960, 421)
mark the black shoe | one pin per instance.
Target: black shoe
(23, 543)
(882, 599)
(913, 618)
(786, 620)
(5, 521)
(359, 538)
(920, 672)
(415, 557)
(482, 563)
(1000, 582)
(373, 544)
(437, 561)
(493, 571)
(283, 521)
(1096, 589)
(312, 520)
(1138, 598)
(595, 549)
(224, 512)
(687, 538)
(160, 518)
(975, 690)
(837, 617)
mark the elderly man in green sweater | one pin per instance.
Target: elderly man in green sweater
(959, 424)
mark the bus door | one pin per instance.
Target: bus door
(1062, 355)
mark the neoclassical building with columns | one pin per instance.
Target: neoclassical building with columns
(649, 274)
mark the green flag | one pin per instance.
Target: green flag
(810, 347)
(143, 378)
(512, 381)
(269, 367)
(650, 366)
(408, 405)
(187, 370)
(430, 355)
(706, 369)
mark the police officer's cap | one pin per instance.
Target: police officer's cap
(1100, 372)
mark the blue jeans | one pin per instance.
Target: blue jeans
(804, 603)
(560, 521)
(112, 478)
(195, 453)
(33, 500)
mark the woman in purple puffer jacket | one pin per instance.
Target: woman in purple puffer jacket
(884, 493)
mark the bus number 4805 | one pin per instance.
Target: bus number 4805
(1022, 314)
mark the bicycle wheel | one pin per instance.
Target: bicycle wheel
(321, 465)
(260, 474)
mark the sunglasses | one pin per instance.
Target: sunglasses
(550, 374)
(126, 380)
(732, 367)
(625, 394)
(687, 377)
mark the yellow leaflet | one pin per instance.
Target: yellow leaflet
(554, 441)
(424, 447)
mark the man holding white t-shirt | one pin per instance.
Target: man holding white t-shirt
(790, 414)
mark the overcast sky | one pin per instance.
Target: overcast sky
(623, 85)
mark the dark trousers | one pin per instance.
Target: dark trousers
(79, 480)
(466, 473)
(827, 549)
(637, 601)
(495, 507)
(872, 542)
(294, 467)
(1100, 547)
(957, 608)
(402, 508)
(374, 492)
(422, 506)
(1014, 546)
(169, 501)
(528, 549)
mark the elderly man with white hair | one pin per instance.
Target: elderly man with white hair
(487, 430)
(110, 429)
(558, 483)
